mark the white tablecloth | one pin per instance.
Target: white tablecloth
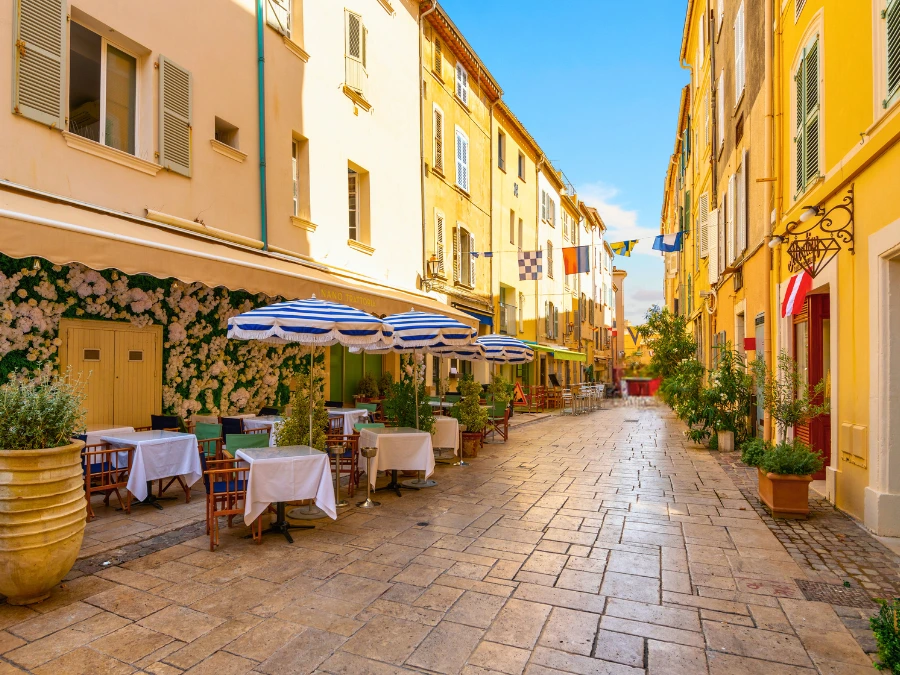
(285, 474)
(351, 416)
(158, 454)
(399, 448)
(269, 422)
(446, 433)
(94, 436)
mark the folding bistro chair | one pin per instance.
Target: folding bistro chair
(166, 423)
(349, 458)
(105, 471)
(374, 413)
(226, 497)
(335, 425)
(265, 410)
(498, 421)
(231, 425)
(209, 442)
(367, 425)
(235, 442)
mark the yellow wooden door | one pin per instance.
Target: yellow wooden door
(91, 352)
(135, 388)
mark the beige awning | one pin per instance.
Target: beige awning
(63, 233)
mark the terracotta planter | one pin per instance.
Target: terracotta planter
(42, 516)
(471, 441)
(785, 496)
(725, 441)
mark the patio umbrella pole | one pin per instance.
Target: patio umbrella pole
(310, 511)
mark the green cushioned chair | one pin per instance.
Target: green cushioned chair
(209, 437)
(371, 407)
(367, 425)
(235, 442)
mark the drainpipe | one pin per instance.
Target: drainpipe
(769, 326)
(261, 103)
(713, 102)
(421, 36)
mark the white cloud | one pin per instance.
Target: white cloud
(621, 223)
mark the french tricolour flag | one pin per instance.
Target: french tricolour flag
(797, 288)
(668, 243)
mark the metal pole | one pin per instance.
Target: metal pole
(312, 350)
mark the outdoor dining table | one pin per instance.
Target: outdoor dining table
(269, 422)
(351, 416)
(399, 448)
(157, 454)
(282, 474)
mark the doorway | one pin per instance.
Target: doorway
(122, 365)
(812, 352)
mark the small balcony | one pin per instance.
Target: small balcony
(507, 319)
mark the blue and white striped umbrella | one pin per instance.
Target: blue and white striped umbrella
(505, 349)
(414, 330)
(310, 322)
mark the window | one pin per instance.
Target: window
(521, 166)
(521, 233)
(353, 193)
(226, 133)
(720, 111)
(739, 65)
(439, 240)
(565, 225)
(438, 163)
(355, 39)
(701, 47)
(438, 66)
(295, 175)
(501, 151)
(807, 115)
(550, 259)
(521, 312)
(512, 226)
(464, 263)
(741, 206)
(462, 160)
(278, 16)
(730, 219)
(703, 224)
(462, 84)
(102, 90)
(891, 16)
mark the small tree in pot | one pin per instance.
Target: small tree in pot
(729, 395)
(42, 505)
(472, 417)
(785, 471)
(366, 389)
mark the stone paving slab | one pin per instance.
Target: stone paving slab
(604, 543)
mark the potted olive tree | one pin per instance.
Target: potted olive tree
(785, 469)
(42, 505)
(729, 395)
(472, 417)
(366, 389)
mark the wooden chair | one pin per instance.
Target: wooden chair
(235, 442)
(349, 458)
(166, 423)
(266, 410)
(335, 425)
(374, 413)
(105, 471)
(231, 425)
(227, 494)
(498, 422)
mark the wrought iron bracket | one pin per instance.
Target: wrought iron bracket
(813, 244)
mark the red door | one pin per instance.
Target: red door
(812, 349)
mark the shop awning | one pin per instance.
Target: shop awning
(482, 317)
(560, 353)
(63, 233)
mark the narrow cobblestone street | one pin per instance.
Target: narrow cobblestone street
(604, 543)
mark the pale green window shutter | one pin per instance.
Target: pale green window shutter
(39, 63)
(892, 21)
(175, 109)
(811, 144)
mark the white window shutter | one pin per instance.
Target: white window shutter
(730, 224)
(739, 51)
(462, 160)
(473, 267)
(39, 53)
(457, 255)
(175, 111)
(462, 83)
(438, 140)
(713, 237)
(439, 240)
(278, 16)
(720, 110)
(742, 187)
(703, 223)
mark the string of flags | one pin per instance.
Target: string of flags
(667, 243)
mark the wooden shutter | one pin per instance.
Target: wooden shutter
(798, 7)
(550, 259)
(687, 211)
(811, 101)
(730, 210)
(742, 187)
(800, 89)
(891, 16)
(556, 322)
(175, 110)
(462, 83)
(39, 53)
(457, 255)
(439, 240)
(739, 65)
(703, 224)
(462, 160)
(473, 267)
(547, 318)
(713, 238)
(438, 58)
(278, 15)
(720, 111)
(438, 140)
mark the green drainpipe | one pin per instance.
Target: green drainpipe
(261, 95)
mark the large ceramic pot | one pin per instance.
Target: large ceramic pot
(471, 441)
(786, 496)
(42, 516)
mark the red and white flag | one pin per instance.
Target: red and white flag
(797, 288)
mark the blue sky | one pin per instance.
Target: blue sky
(597, 83)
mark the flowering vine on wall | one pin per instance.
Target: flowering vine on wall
(203, 371)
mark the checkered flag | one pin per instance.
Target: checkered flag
(530, 265)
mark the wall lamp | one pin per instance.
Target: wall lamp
(775, 241)
(811, 212)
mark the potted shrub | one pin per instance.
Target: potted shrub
(42, 505)
(400, 399)
(472, 417)
(501, 392)
(729, 396)
(384, 383)
(367, 389)
(785, 471)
